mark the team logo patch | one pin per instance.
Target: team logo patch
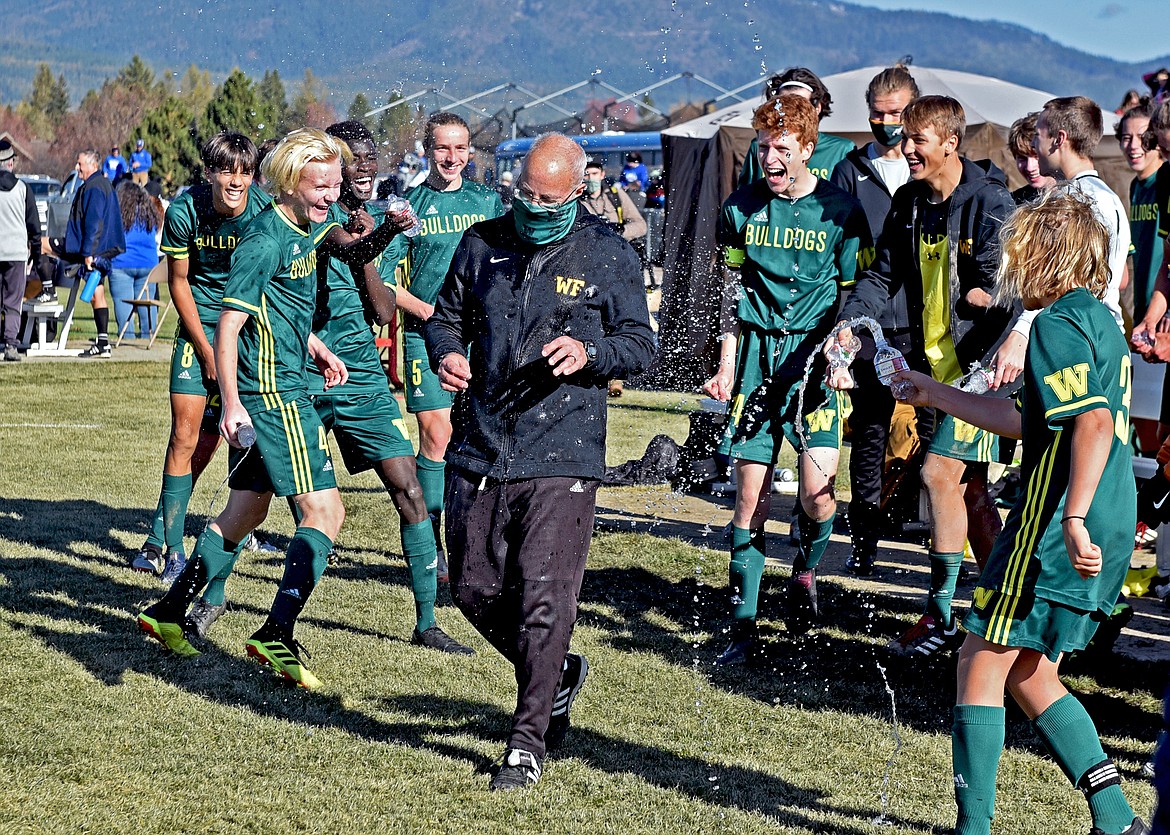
(762, 214)
(432, 211)
(328, 468)
(418, 392)
(296, 249)
(982, 597)
(185, 375)
(577, 488)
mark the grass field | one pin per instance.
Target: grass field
(100, 732)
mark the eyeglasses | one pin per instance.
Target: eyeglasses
(544, 203)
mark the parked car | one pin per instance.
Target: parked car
(59, 205)
(43, 187)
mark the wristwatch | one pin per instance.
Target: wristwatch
(590, 353)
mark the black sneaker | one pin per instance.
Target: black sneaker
(1138, 827)
(98, 350)
(436, 638)
(518, 770)
(741, 646)
(572, 677)
(859, 563)
(11, 353)
(800, 602)
(202, 616)
(47, 297)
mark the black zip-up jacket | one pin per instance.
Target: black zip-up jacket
(858, 175)
(501, 302)
(977, 209)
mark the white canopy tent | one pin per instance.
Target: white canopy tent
(702, 162)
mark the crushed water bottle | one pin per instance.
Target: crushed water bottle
(245, 435)
(977, 380)
(398, 204)
(840, 357)
(1144, 338)
(888, 362)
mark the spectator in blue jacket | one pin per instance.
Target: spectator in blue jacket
(634, 165)
(140, 162)
(141, 220)
(114, 166)
(93, 236)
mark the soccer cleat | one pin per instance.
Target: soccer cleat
(926, 639)
(741, 646)
(202, 616)
(436, 638)
(283, 657)
(99, 350)
(149, 560)
(518, 770)
(170, 635)
(176, 561)
(1138, 827)
(859, 564)
(572, 677)
(800, 602)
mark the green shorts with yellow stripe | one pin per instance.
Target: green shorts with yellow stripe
(368, 427)
(764, 400)
(423, 392)
(187, 375)
(291, 455)
(962, 441)
(1031, 622)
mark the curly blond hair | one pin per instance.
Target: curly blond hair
(1052, 246)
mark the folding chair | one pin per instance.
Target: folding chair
(145, 300)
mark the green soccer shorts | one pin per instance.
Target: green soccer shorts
(769, 369)
(368, 427)
(962, 441)
(423, 392)
(291, 455)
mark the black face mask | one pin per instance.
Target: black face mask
(886, 135)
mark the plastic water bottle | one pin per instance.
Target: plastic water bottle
(889, 362)
(92, 281)
(977, 380)
(840, 357)
(398, 204)
(245, 435)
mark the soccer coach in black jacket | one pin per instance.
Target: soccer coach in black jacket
(540, 308)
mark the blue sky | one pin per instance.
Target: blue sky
(1127, 31)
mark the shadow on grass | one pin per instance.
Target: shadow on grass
(735, 787)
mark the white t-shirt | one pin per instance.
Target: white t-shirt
(894, 173)
(1109, 210)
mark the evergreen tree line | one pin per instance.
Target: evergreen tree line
(174, 118)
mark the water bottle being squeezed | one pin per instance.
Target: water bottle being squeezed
(888, 362)
(840, 356)
(399, 204)
(977, 380)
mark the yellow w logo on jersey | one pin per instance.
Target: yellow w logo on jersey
(1068, 383)
(821, 420)
(965, 432)
(982, 597)
(569, 286)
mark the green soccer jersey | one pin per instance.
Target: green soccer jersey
(444, 216)
(274, 281)
(830, 150)
(1145, 244)
(340, 320)
(1077, 361)
(195, 231)
(799, 253)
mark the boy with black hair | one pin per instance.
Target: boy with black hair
(791, 242)
(940, 243)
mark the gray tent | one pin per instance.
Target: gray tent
(702, 161)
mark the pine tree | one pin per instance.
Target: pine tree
(169, 133)
(358, 109)
(234, 107)
(273, 104)
(196, 89)
(47, 104)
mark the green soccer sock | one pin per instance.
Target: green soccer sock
(304, 563)
(944, 576)
(1068, 731)
(215, 591)
(814, 539)
(207, 560)
(977, 738)
(157, 538)
(418, 546)
(745, 571)
(432, 479)
(176, 494)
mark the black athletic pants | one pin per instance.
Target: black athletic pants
(516, 552)
(12, 282)
(869, 427)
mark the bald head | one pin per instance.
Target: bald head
(553, 170)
